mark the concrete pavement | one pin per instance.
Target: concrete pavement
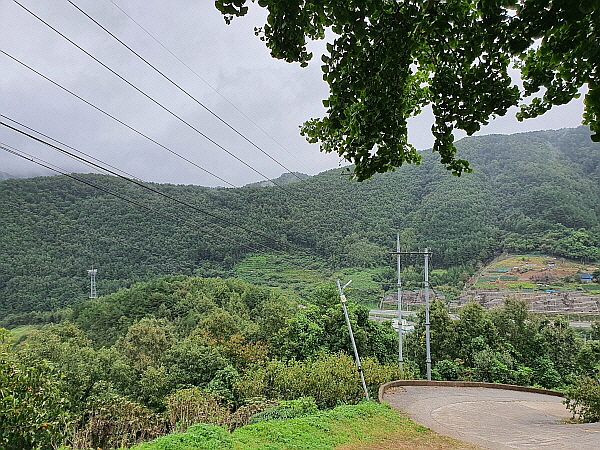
(493, 418)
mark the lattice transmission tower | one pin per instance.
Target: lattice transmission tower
(92, 273)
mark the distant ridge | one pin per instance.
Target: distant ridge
(6, 176)
(286, 178)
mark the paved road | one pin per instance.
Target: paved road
(495, 419)
(377, 315)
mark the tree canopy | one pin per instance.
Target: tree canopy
(390, 58)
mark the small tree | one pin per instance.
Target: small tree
(33, 411)
(583, 399)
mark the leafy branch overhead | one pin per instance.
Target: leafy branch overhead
(390, 58)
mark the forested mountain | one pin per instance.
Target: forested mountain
(286, 178)
(537, 191)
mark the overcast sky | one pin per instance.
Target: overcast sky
(236, 68)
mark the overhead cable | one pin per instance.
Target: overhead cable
(68, 146)
(47, 165)
(181, 89)
(139, 183)
(148, 188)
(148, 96)
(57, 169)
(117, 120)
(210, 86)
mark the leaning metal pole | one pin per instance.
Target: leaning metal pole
(427, 336)
(400, 331)
(360, 371)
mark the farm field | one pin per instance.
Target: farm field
(540, 272)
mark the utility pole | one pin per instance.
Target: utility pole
(92, 273)
(400, 330)
(360, 371)
(427, 335)
(427, 254)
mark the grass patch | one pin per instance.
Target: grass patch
(22, 332)
(363, 426)
(521, 286)
(299, 277)
(294, 276)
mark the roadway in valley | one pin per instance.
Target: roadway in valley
(381, 315)
(494, 418)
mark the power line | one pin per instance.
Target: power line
(87, 231)
(59, 33)
(277, 253)
(68, 146)
(183, 203)
(148, 188)
(138, 182)
(209, 85)
(24, 155)
(180, 88)
(61, 171)
(57, 169)
(149, 97)
(116, 119)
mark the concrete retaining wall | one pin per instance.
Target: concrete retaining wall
(510, 387)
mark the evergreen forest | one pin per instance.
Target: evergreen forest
(530, 192)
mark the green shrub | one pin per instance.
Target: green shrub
(446, 370)
(114, 422)
(287, 410)
(187, 407)
(198, 437)
(583, 399)
(329, 379)
(365, 422)
(252, 406)
(32, 407)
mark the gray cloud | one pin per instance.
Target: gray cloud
(276, 95)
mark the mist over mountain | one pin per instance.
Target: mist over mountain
(5, 176)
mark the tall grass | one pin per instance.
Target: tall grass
(323, 430)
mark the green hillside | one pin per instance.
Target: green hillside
(537, 191)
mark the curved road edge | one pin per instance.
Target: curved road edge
(493, 416)
(510, 387)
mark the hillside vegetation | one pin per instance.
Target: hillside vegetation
(164, 355)
(537, 191)
(365, 426)
(167, 354)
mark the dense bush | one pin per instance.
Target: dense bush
(177, 351)
(287, 409)
(329, 379)
(366, 422)
(33, 410)
(115, 422)
(506, 344)
(198, 437)
(189, 406)
(583, 399)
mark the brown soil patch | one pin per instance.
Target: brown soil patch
(429, 441)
